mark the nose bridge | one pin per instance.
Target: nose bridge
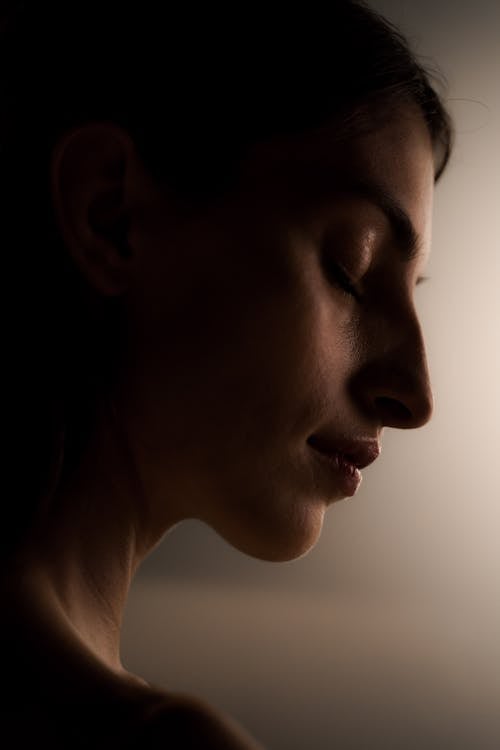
(396, 380)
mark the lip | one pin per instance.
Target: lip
(344, 459)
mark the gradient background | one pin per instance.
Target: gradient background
(387, 634)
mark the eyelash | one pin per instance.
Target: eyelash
(342, 279)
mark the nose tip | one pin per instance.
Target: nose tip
(395, 389)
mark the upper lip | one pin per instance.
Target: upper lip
(358, 451)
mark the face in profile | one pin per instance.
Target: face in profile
(274, 335)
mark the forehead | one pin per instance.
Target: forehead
(395, 161)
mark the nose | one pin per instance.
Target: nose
(393, 385)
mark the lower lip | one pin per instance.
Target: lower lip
(347, 477)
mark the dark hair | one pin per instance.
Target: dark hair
(195, 94)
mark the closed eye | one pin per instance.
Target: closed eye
(341, 278)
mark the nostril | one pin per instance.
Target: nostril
(392, 410)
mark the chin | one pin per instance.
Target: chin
(278, 539)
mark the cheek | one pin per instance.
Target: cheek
(238, 355)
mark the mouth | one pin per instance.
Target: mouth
(344, 459)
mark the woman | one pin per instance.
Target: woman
(218, 236)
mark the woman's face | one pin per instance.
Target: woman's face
(281, 314)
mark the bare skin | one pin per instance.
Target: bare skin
(241, 345)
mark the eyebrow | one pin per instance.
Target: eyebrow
(407, 238)
(408, 241)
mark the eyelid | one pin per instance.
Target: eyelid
(421, 279)
(341, 278)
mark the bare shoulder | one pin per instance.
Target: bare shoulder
(185, 721)
(57, 694)
(121, 721)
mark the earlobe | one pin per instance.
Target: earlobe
(88, 170)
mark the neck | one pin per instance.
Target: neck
(83, 580)
(82, 560)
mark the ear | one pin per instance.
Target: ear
(89, 170)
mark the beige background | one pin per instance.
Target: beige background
(387, 635)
